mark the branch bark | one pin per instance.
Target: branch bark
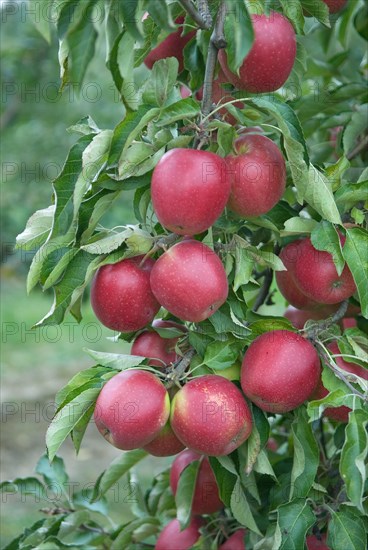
(203, 20)
(359, 148)
(217, 42)
(176, 371)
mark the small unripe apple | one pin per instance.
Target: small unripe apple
(131, 409)
(313, 543)
(340, 414)
(235, 541)
(335, 5)
(171, 46)
(165, 443)
(316, 276)
(190, 189)
(206, 499)
(121, 295)
(280, 371)
(190, 281)
(210, 415)
(286, 279)
(161, 351)
(171, 537)
(271, 58)
(258, 175)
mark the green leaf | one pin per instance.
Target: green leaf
(185, 108)
(239, 34)
(297, 225)
(350, 194)
(128, 12)
(185, 493)
(325, 237)
(115, 471)
(244, 265)
(318, 193)
(354, 457)
(294, 12)
(53, 472)
(24, 486)
(39, 15)
(220, 355)
(346, 531)
(355, 254)
(225, 478)
(67, 418)
(294, 519)
(241, 510)
(37, 229)
(318, 9)
(161, 14)
(306, 456)
(81, 38)
(115, 361)
(163, 76)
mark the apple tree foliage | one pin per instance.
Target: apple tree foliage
(315, 479)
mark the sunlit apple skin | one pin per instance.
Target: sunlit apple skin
(258, 175)
(335, 5)
(131, 409)
(171, 537)
(121, 295)
(280, 371)
(315, 544)
(161, 351)
(165, 443)
(172, 46)
(210, 415)
(340, 414)
(316, 276)
(206, 499)
(271, 58)
(190, 281)
(235, 542)
(286, 281)
(190, 189)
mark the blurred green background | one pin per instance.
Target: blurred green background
(37, 363)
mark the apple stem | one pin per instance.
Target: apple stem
(161, 242)
(178, 368)
(317, 327)
(217, 42)
(202, 17)
(359, 148)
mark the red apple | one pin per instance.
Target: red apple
(235, 541)
(348, 322)
(316, 276)
(335, 5)
(165, 443)
(340, 414)
(314, 543)
(161, 351)
(210, 415)
(131, 409)
(258, 175)
(121, 295)
(272, 444)
(286, 280)
(189, 280)
(298, 317)
(206, 499)
(171, 537)
(280, 371)
(271, 58)
(171, 46)
(190, 189)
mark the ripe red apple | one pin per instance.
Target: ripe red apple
(271, 58)
(313, 543)
(235, 541)
(165, 443)
(316, 276)
(258, 175)
(189, 280)
(335, 5)
(190, 189)
(172, 538)
(340, 414)
(121, 295)
(206, 499)
(286, 279)
(298, 317)
(171, 46)
(210, 415)
(280, 371)
(161, 351)
(131, 409)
